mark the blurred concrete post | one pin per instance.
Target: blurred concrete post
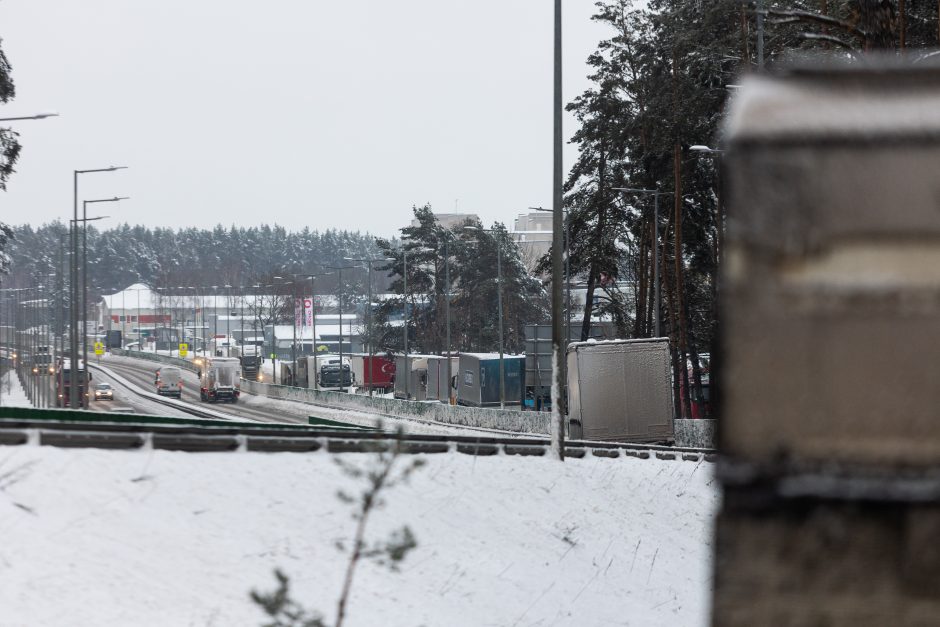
(830, 302)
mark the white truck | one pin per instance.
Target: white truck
(169, 381)
(219, 380)
(620, 391)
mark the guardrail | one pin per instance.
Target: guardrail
(163, 359)
(478, 417)
(75, 429)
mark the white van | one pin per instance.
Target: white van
(169, 381)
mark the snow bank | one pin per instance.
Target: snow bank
(163, 538)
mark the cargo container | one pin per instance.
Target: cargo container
(376, 371)
(620, 391)
(417, 371)
(437, 376)
(478, 379)
(219, 380)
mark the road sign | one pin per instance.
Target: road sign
(99, 348)
(184, 350)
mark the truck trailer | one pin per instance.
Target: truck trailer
(478, 379)
(376, 371)
(218, 380)
(620, 391)
(65, 380)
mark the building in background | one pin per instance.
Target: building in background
(533, 233)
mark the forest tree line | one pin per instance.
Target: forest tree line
(660, 84)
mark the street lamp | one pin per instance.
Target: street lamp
(404, 291)
(73, 322)
(313, 312)
(293, 350)
(85, 221)
(339, 300)
(38, 116)
(558, 203)
(567, 270)
(368, 370)
(499, 300)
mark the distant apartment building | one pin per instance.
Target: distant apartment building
(533, 233)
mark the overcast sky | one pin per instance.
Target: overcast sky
(298, 112)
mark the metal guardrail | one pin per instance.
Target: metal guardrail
(163, 359)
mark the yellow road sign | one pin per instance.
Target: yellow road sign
(99, 348)
(184, 350)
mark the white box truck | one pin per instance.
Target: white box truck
(620, 391)
(219, 380)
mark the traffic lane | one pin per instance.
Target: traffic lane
(144, 373)
(126, 398)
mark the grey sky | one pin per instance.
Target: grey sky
(299, 112)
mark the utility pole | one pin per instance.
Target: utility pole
(558, 343)
(73, 318)
(450, 387)
(407, 373)
(367, 370)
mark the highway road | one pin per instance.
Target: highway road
(142, 374)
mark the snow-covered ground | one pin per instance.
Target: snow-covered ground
(11, 392)
(93, 537)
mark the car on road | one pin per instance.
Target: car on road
(104, 391)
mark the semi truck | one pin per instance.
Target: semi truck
(218, 380)
(251, 359)
(333, 376)
(64, 381)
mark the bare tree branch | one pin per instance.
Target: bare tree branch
(793, 15)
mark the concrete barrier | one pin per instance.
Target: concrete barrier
(695, 433)
(480, 417)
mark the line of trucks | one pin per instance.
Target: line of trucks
(618, 390)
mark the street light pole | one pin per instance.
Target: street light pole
(407, 373)
(499, 300)
(558, 355)
(567, 269)
(367, 370)
(73, 322)
(339, 300)
(450, 387)
(85, 221)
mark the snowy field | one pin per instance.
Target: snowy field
(105, 538)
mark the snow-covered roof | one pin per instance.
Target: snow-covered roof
(286, 331)
(492, 356)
